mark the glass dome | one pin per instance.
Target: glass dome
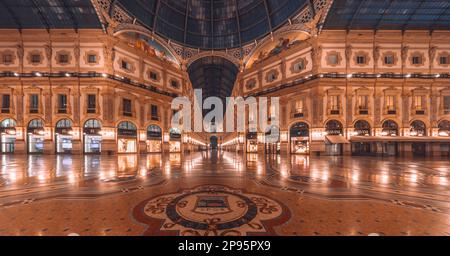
(212, 24)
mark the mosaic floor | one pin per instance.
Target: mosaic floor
(223, 194)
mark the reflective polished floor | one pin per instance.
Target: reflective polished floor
(222, 193)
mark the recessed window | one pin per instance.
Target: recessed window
(299, 66)
(175, 84)
(446, 101)
(154, 112)
(416, 60)
(272, 76)
(92, 58)
(34, 103)
(7, 59)
(6, 103)
(91, 103)
(153, 76)
(389, 60)
(126, 65)
(443, 60)
(250, 84)
(63, 58)
(360, 59)
(36, 58)
(62, 103)
(127, 107)
(333, 59)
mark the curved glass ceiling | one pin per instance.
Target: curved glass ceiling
(213, 24)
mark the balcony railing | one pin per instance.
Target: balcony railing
(5, 111)
(155, 118)
(363, 111)
(62, 111)
(126, 113)
(335, 112)
(420, 112)
(392, 112)
(91, 111)
(298, 115)
(34, 110)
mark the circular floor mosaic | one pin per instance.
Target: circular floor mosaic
(211, 210)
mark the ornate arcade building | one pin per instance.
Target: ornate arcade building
(99, 76)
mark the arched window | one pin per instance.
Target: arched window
(64, 124)
(154, 131)
(334, 127)
(362, 128)
(444, 128)
(418, 128)
(127, 129)
(390, 128)
(300, 129)
(8, 123)
(92, 124)
(36, 123)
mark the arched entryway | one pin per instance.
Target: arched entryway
(126, 137)
(272, 139)
(35, 136)
(175, 140)
(361, 128)
(299, 138)
(213, 142)
(7, 136)
(63, 136)
(334, 140)
(154, 139)
(92, 136)
(418, 128)
(252, 141)
(390, 128)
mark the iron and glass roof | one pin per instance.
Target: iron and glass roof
(213, 24)
(214, 75)
(389, 15)
(48, 14)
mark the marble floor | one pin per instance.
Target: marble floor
(222, 193)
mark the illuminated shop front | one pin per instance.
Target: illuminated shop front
(390, 128)
(418, 129)
(334, 140)
(92, 136)
(175, 140)
(154, 139)
(252, 142)
(35, 136)
(126, 138)
(8, 135)
(362, 128)
(63, 135)
(299, 134)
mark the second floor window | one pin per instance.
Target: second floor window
(7, 59)
(416, 60)
(34, 103)
(92, 58)
(127, 107)
(334, 102)
(35, 58)
(363, 102)
(299, 106)
(389, 60)
(63, 58)
(6, 103)
(360, 60)
(91, 103)
(443, 60)
(154, 112)
(126, 65)
(62, 103)
(446, 105)
(153, 76)
(390, 103)
(418, 103)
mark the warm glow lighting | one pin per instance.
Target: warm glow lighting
(38, 74)
(408, 76)
(349, 75)
(105, 75)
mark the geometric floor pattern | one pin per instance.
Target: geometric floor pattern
(223, 194)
